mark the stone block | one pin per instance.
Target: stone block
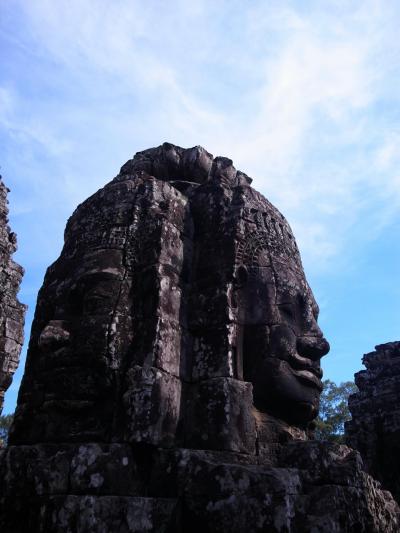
(152, 402)
(35, 470)
(237, 498)
(162, 244)
(104, 469)
(219, 416)
(211, 307)
(160, 342)
(214, 353)
(105, 514)
(158, 293)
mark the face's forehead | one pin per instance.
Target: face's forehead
(289, 276)
(291, 287)
(100, 260)
(93, 264)
(272, 252)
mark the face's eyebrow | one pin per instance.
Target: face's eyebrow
(103, 274)
(89, 277)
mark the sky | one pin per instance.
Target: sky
(302, 95)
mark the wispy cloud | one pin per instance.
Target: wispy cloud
(304, 96)
(291, 92)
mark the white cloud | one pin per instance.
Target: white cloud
(290, 92)
(303, 96)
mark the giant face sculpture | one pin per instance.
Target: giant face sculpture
(176, 277)
(81, 334)
(281, 342)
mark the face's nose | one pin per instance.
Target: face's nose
(55, 335)
(312, 347)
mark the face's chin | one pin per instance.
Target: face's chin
(285, 392)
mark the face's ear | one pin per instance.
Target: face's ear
(242, 275)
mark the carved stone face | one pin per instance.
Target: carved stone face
(80, 342)
(104, 357)
(282, 343)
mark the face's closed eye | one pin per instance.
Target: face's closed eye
(288, 312)
(94, 295)
(99, 301)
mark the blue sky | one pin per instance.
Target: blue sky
(302, 95)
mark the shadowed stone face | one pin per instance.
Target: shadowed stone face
(81, 335)
(78, 348)
(282, 343)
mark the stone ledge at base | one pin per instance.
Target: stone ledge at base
(103, 514)
(119, 488)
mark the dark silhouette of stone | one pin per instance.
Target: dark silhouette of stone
(173, 372)
(12, 312)
(375, 426)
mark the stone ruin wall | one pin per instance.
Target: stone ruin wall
(12, 312)
(375, 426)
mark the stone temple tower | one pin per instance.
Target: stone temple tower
(173, 372)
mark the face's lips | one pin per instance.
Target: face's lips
(309, 378)
(305, 370)
(297, 362)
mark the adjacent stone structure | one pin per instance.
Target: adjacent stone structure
(375, 426)
(173, 372)
(12, 312)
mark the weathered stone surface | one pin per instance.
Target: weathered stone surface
(220, 416)
(310, 486)
(173, 372)
(12, 312)
(151, 406)
(375, 426)
(333, 495)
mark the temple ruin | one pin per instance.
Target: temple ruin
(173, 373)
